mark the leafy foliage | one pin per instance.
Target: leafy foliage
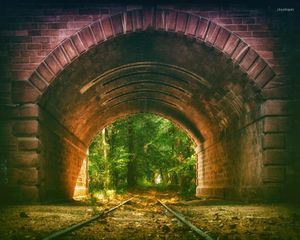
(142, 150)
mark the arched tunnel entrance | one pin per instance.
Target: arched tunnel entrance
(225, 74)
(188, 82)
(184, 67)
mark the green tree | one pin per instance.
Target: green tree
(138, 150)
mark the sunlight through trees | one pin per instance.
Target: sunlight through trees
(142, 151)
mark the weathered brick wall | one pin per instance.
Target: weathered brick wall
(230, 165)
(19, 150)
(29, 33)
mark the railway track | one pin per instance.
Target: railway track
(141, 212)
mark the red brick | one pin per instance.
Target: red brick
(256, 41)
(87, 37)
(261, 34)
(50, 32)
(36, 59)
(107, 28)
(236, 20)
(277, 124)
(60, 56)
(45, 19)
(273, 174)
(21, 75)
(57, 25)
(266, 54)
(202, 28)
(222, 38)
(231, 44)
(274, 157)
(147, 18)
(42, 26)
(23, 176)
(256, 27)
(212, 33)
(137, 20)
(277, 107)
(117, 24)
(35, 32)
(240, 52)
(97, 31)
(265, 47)
(26, 111)
(273, 141)
(34, 46)
(48, 46)
(24, 159)
(181, 22)
(38, 81)
(277, 91)
(53, 64)
(26, 128)
(83, 18)
(27, 193)
(171, 20)
(192, 25)
(28, 144)
(78, 25)
(256, 68)
(24, 92)
(224, 21)
(243, 34)
(70, 49)
(248, 59)
(160, 20)
(129, 22)
(264, 77)
(78, 43)
(236, 27)
(44, 71)
(20, 59)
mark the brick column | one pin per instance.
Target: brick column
(23, 153)
(278, 172)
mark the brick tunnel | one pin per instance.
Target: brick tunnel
(68, 72)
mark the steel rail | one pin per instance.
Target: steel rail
(183, 220)
(76, 226)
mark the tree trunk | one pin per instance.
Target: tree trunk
(131, 166)
(106, 165)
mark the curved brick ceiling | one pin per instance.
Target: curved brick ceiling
(178, 78)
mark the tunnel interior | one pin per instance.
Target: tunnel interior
(179, 78)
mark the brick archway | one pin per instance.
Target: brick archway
(189, 25)
(190, 69)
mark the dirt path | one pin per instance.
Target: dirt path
(143, 218)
